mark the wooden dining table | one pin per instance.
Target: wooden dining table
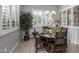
(46, 35)
(49, 37)
(50, 34)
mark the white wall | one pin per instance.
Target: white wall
(64, 6)
(8, 37)
(9, 40)
(41, 7)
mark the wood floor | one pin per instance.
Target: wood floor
(29, 47)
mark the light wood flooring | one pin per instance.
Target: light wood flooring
(29, 47)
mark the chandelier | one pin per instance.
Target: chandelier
(50, 13)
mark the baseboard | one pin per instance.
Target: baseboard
(11, 51)
(74, 42)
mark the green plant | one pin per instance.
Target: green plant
(25, 21)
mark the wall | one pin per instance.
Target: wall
(64, 6)
(8, 41)
(73, 32)
(41, 7)
(9, 37)
(0, 14)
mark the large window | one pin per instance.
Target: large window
(13, 16)
(9, 16)
(35, 18)
(70, 16)
(64, 18)
(76, 16)
(5, 17)
(40, 17)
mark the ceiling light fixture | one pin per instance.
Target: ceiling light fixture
(50, 13)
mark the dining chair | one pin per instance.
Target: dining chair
(65, 30)
(45, 27)
(59, 42)
(50, 45)
(34, 33)
(40, 43)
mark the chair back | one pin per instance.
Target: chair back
(59, 42)
(60, 38)
(34, 33)
(64, 29)
(45, 27)
(60, 35)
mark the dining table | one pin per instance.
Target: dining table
(51, 33)
(49, 37)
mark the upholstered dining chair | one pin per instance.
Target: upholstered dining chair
(34, 33)
(65, 30)
(39, 43)
(59, 42)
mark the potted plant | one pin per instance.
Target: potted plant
(26, 23)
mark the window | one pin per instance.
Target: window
(76, 16)
(41, 17)
(69, 17)
(6, 17)
(64, 18)
(13, 16)
(9, 16)
(34, 17)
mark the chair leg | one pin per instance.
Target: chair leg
(66, 42)
(54, 49)
(36, 45)
(36, 51)
(36, 48)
